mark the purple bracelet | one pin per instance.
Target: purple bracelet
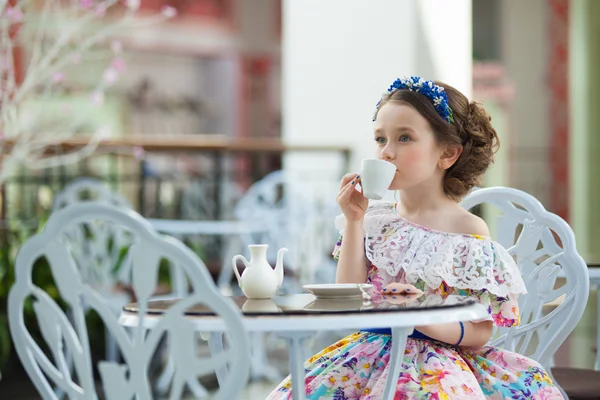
(462, 333)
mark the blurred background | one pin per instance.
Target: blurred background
(226, 92)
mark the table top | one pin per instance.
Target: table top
(306, 312)
(309, 304)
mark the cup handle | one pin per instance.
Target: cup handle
(235, 269)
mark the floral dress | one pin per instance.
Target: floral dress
(441, 264)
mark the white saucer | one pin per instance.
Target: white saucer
(335, 290)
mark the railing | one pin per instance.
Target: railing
(192, 177)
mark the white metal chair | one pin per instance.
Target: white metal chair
(97, 248)
(294, 217)
(49, 371)
(543, 246)
(98, 254)
(232, 232)
(88, 189)
(280, 210)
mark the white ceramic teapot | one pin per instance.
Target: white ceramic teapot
(259, 280)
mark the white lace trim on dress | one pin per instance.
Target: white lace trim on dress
(461, 261)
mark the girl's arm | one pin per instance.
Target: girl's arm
(352, 262)
(476, 334)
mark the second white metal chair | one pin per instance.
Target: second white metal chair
(50, 370)
(543, 245)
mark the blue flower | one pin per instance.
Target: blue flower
(427, 88)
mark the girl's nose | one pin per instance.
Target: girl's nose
(387, 154)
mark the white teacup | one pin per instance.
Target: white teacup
(376, 177)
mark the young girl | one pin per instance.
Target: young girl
(441, 144)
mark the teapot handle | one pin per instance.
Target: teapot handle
(235, 269)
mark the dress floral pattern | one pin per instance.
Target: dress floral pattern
(398, 250)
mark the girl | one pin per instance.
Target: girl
(441, 144)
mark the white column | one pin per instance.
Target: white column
(339, 56)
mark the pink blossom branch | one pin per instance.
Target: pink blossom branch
(30, 134)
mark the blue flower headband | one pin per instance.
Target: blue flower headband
(427, 88)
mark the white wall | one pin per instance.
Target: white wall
(524, 48)
(339, 56)
(448, 31)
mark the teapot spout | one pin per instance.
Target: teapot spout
(279, 265)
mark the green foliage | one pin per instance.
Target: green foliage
(10, 241)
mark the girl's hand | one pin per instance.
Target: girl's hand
(351, 201)
(401, 288)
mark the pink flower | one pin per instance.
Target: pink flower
(138, 152)
(332, 380)
(5, 64)
(371, 351)
(118, 64)
(100, 10)
(346, 376)
(58, 77)
(86, 4)
(14, 14)
(548, 393)
(353, 391)
(497, 357)
(509, 310)
(309, 388)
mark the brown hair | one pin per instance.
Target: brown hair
(471, 129)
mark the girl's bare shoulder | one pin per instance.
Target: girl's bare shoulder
(465, 222)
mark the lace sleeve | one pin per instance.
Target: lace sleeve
(500, 294)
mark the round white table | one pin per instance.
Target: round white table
(297, 317)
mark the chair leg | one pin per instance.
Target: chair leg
(215, 345)
(259, 363)
(198, 391)
(164, 381)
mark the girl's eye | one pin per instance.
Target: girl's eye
(380, 140)
(405, 138)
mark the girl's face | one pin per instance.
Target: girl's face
(404, 138)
